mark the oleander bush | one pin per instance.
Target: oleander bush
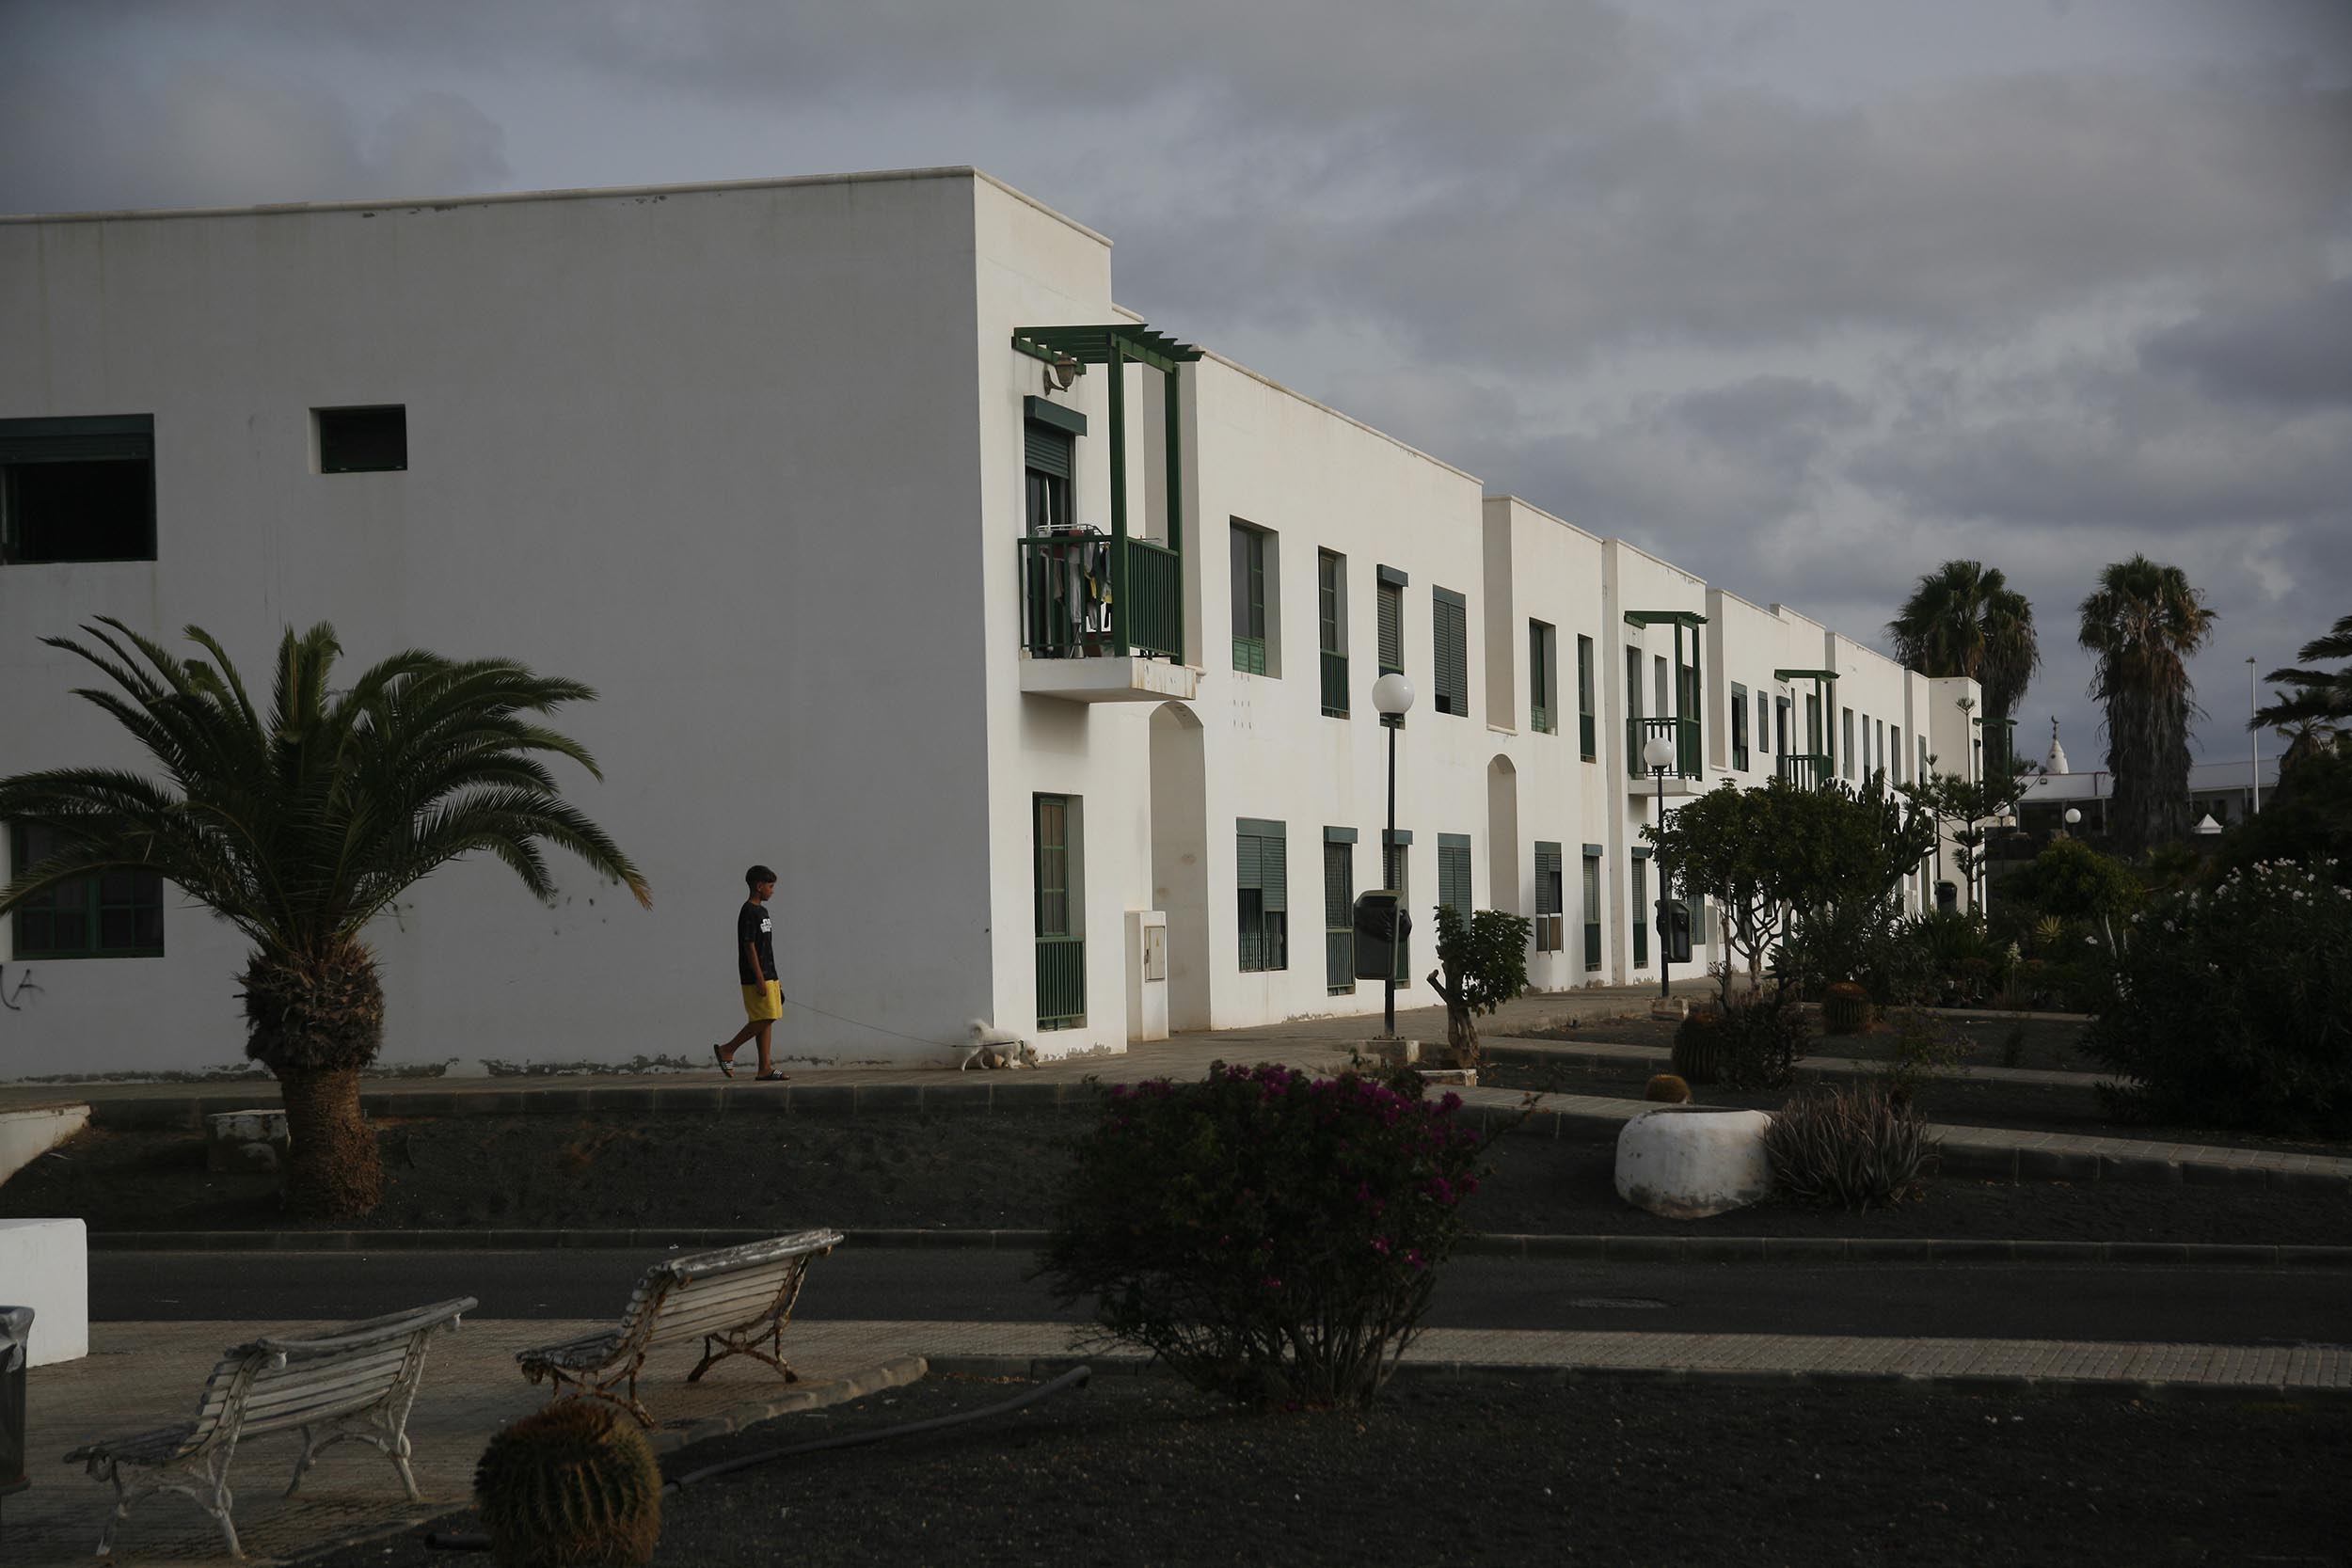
(1855, 1147)
(2232, 1008)
(1269, 1236)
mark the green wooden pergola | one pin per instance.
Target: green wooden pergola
(1824, 693)
(1688, 761)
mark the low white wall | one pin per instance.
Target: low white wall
(27, 1135)
(45, 1264)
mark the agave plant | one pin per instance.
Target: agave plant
(299, 824)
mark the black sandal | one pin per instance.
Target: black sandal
(726, 1068)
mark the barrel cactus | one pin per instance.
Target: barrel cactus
(1698, 1050)
(1667, 1089)
(1845, 1009)
(573, 1485)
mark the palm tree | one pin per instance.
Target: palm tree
(299, 825)
(1963, 619)
(2142, 623)
(2322, 697)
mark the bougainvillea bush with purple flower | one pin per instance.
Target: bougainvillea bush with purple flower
(1269, 1236)
(2233, 1006)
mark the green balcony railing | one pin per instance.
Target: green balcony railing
(1592, 945)
(1334, 685)
(1084, 593)
(1061, 982)
(1587, 738)
(1806, 770)
(1684, 733)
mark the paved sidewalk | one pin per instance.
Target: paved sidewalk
(1614, 1053)
(140, 1375)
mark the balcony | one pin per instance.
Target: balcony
(1806, 770)
(1061, 982)
(1102, 619)
(1687, 774)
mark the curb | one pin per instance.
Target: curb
(896, 1373)
(1615, 1249)
(1128, 1364)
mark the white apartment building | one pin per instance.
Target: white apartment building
(1032, 645)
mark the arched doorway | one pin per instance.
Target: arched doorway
(1180, 858)
(1502, 837)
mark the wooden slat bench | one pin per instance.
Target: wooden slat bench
(730, 1299)
(356, 1381)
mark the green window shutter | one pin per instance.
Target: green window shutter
(1396, 870)
(1338, 911)
(1274, 874)
(1453, 872)
(1391, 627)
(1047, 451)
(1249, 600)
(1591, 912)
(1262, 892)
(1450, 650)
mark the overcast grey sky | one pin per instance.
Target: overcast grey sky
(1808, 298)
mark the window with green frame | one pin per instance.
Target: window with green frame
(1391, 613)
(108, 915)
(1453, 872)
(1061, 964)
(81, 488)
(1331, 630)
(1587, 737)
(1543, 677)
(1262, 892)
(1549, 932)
(1591, 912)
(1450, 647)
(1250, 599)
(1338, 910)
(1738, 726)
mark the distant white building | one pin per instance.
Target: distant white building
(1033, 647)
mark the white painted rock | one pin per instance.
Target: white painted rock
(1688, 1162)
(245, 1140)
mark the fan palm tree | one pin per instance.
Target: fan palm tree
(300, 824)
(1963, 619)
(2141, 625)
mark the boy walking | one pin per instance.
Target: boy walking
(755, 967)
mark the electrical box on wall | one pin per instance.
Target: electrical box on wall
(1146, 975)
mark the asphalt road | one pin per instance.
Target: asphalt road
(1977, 1301)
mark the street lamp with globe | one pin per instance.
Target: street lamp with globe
(1658, 754)
(1392, 698)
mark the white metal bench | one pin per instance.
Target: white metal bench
(730, 1299)
(356, 1381)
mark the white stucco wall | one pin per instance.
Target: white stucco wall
(711, 452)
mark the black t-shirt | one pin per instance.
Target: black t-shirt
(754, 926)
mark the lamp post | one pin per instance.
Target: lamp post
(1392, 698)
(1657, 752)
(2255, 735)
(2074, 817)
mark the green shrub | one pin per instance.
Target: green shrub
(1763, 1034)
(1855, 1147)
(1919, 1047)
(2233, 1008)
(1268, 1235)
(573, 1485)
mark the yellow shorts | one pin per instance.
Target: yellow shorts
(763, 1002)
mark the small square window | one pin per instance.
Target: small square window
(363, 440)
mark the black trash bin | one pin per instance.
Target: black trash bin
(16, 1329)
(1947, 897)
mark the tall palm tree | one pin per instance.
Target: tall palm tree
(1965, 619)
(2142, 623)
(299, 825)
(2320, 696)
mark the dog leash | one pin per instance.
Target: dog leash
(880, 1029)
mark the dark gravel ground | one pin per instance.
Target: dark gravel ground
(1000, 1170)
(1958, 1102)
(1540, 1469)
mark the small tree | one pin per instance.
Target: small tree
(1485, 965)
(1728, 846)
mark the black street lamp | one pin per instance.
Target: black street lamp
(1658, 754)
(1392, 698)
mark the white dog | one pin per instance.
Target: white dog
(993, 1046)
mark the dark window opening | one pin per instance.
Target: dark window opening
(363, 440)
(77, 489)
(109, 914)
